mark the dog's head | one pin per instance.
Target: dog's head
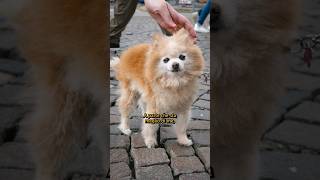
(174, 60)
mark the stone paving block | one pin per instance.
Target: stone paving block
(200, 138)
(296, 133)
(200, 114)
(137, 141)
(175, 150)
(156, 172)
(118, 155)
(308, 111)
(199, 125)
(119, 141)
(5, 78)
(92, 177)
(15, 155)
(114, 119)
(135, 123)
(283, 166)
(299, 81)
(119, 171)
(149, 156)
(294, 97)
(114, 110)
(89, 160)
(7, 40)
(195, 176)
(205, 97)
(114, 129)
(10, 117)
(11, 94)
(184, 165)
(16, 174)
(204, 155)
(202, 104)
(314, 69)
(13, 67)
(167, 133)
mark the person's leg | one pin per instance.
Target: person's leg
(123, 12)
(203, 13)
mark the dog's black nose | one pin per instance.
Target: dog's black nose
(175, 67)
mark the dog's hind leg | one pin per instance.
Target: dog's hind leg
(59, 129)
(127, 101)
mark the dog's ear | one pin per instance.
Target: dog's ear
(183, 36)
(156, 38)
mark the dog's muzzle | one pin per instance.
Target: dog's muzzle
(175, 67)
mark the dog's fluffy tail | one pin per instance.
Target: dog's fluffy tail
(10, 8)
(114, 63)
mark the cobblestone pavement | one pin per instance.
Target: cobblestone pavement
(129, 156)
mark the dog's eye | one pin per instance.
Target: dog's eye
(165, 60)
(182, 57)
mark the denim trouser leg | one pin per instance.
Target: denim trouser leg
(204, 12)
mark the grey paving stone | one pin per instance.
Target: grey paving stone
(204, 155)
(119, 141)
(16, 174)
(119, 155)
(200, 138)
(114, 119)
(175, 150)
(308, 111)
(15, 95)
(7, 40)
(184, 165)
(299, 81)
(156, 172)
(205, 97)
(199, 125)
(202, 104)
(90, 161)
(296, 133)
(194, 176)
(137, 141)
(200, 114)
(114, 129)
(5, 78)
(294, 97)
(149, 156)
(167, 133)
(135, 123)
(282, 166)
(119, 171)
(314, 69)
(12, 67)
(10, 117)
(15, 155)
(114, 110)
(92, 177)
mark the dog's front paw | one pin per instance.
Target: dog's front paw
(185, 142)
(150, 142)
(124, 130)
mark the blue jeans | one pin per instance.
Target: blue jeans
(204, 11)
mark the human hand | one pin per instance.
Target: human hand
(168, 18)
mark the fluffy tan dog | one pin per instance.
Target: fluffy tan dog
(162, 77)
(65, 44)
(249, 41)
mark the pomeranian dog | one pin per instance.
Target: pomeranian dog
(249, 39)
(65, 44)
(161, 77)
